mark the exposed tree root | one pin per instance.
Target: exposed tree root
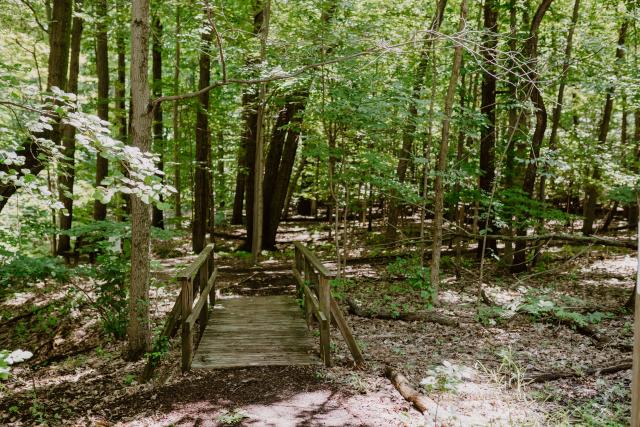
(432, 317)
(621, 365)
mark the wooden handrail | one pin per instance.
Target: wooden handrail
(313, 259)
(193, 268)
(202, 299)
(318, 302)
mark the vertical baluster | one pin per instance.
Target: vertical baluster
(187, 333)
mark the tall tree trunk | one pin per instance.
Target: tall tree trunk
(557, 110)
(203, 147)
(488, 131)
(632, 215)
(177, 178)
(121, 105)
(67, 170)
(409, 130)
(279, 165)
(102, 70)
(528, 184)
(246, 149)
(157, 217)
(592, 190)
(58, 62)
(257, 215)
(138, 332)
(441, 165)
(245, 177)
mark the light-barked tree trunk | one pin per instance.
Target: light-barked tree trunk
(138, 333)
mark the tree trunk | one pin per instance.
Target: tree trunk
(102, 70)
(409, 130)
(138, 332)
(441, 165)
(592, 191)
(488, 131)
(157, 217)
(121, 106)
(203, 146)
(528, 184)
(177, 179)
(279, 165)
(557, 110)
(67, 170)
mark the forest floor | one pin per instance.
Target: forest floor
(479, 372)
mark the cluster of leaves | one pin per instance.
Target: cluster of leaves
(93, 137)
(22, 270)
(417, 276)
(111, 274)
(540, 307)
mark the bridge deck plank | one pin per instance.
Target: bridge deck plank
(256, 331)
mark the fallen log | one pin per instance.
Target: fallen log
(574, 238)
(558, 375)
(430, 316)
(421, 402)
(586, 330)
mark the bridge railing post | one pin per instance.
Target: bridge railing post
(187, 333)
(324, 299)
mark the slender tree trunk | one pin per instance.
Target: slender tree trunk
(441, 165)
(409, 130)
(257, 216)
(157, 217)
(528, 184)
(138, 332)
(177, 179)
(632, 216)
(488, 131)
(67, 170)
(557, 110)
(293, 183)
(121, 106)
(592, 190)
(102, 69)
(203, 147)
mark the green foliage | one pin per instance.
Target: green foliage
(490, 316)
(111, 274)
(540, 307)
(159, 349)
(338, 287)
(232, 418)
(416, 276)
(23, 270)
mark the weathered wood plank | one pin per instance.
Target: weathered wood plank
(255, 331)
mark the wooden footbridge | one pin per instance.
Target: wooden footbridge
(256, 330)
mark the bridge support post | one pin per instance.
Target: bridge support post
(324, 293)
(187, 333)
